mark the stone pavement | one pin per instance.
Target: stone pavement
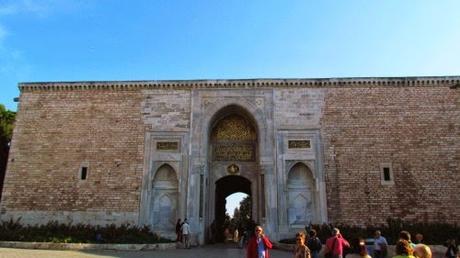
(209, 251)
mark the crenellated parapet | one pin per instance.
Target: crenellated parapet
(441, 81)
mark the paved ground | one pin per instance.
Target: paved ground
(210, 251)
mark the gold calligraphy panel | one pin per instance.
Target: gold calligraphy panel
(164, 146)
(233, 152)
(299, 144)
(233, 128)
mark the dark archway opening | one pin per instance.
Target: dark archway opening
(225, 187)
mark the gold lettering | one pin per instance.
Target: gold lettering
(167, 145)
(299, 144)
(233, 152)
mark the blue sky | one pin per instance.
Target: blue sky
(80, 40)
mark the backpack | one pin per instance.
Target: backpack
(315, 244)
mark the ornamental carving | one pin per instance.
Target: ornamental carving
(299, 144)
(233, 128)
(233, 139)
(164, 146)
(233, 152)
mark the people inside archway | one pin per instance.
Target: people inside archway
(336, 244)
(380, 245)
(314, 244)
(186, 233)
(403, 249)
(358, 249)
(301, 250)
(258, 245)
(422, 251)
(178, 231)
(236, 236)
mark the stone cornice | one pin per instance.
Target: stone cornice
(442, 81)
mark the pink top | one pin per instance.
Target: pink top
(340, 242)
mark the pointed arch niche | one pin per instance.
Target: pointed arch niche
(164, 199)
(301, 196)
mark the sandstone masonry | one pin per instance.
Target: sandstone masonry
(349, 150)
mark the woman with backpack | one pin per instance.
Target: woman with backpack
(314, 244)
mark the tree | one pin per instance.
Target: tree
(6, 132)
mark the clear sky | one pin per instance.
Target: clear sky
(80, 40)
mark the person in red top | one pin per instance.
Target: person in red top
(336, 244)
(258, 245)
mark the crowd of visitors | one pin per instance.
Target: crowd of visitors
(336, 246)
(308, 245)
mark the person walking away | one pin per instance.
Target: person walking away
(418, 239)
(186, 233)
(336, 244)
(380, 245)
(301, 250)
(258, 245)
(452, 249)
(405, 235)
(178, 231)
(422, 251)
(359, 249)
(403, 249)
(314, 244)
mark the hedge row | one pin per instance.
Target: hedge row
(433, 233)
(79, 233)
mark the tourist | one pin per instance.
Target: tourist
(403, 249)
(418, 238)
(301, 250)
(358, 249)
(258, 245)
(186, 233)
(178, 231)
(422, 251)
(314, 244)
(452, 249)
(336, 244)
(236, 236)
(404, 235)
(380, 245)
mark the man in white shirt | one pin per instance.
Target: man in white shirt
(186, 233)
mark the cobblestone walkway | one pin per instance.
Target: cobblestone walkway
(211, 251)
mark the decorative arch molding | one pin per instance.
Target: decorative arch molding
(307, 163)
(301, 195)
(248, 107)
(157, 165)
(164, 199)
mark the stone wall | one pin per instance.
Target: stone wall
(355, 127)
(56, 133)
(414, 129)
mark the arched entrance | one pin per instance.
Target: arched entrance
(225, 187)
(233, 166)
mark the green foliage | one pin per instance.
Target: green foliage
(241, 216)
(433, 233)
(13, 230)
(6, 124)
